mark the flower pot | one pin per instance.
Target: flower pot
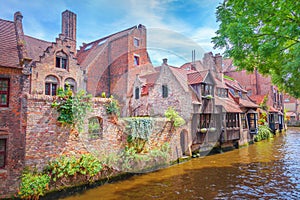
(203, 130)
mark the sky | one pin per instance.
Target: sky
(174, 27)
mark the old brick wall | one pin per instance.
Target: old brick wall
(12, 128)
(46, 139)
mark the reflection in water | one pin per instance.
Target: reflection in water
(266, 170)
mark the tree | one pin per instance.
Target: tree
(262, 35)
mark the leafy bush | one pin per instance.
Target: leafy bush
(112, 107)
(70, 166)
(264, 132)
(174, 117)
(33, 185)
(72, 109)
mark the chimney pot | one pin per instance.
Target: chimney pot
(165, 61)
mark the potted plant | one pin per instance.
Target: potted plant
(203, 130)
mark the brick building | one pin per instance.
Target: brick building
(111, 63)
(14, 83)
(258, 87)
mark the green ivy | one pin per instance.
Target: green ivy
(174, 117)
(139, 130)
(72, 109)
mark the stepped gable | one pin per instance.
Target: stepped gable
(8, 45)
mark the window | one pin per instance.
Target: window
(164, 91)
(137, 93)
(206, 89)
(136, 42)
(51, 84)
(222, 92)
(232, 120)
(4, 92)
(208, 120)
(61, 60)
(136, 60)
(2, 152)
(95, 128)
(243, 120)
(71, 83)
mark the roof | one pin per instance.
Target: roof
(35, 47)
(9, 56)
(247, 103)
(188, 66)
(257, 98)
(150, 79)
(228, 104)
(235, 85)
(89, 52)
(181, 76)
(194, 77)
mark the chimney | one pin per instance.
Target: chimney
(218, 61)
(20, 37)
(68, 28)
(165, 61)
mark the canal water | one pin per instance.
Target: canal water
(265, 170)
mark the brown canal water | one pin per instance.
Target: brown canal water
(264, 170)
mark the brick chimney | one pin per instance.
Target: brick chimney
(218, 61)
(68, 29)
(20, 37)
(165, 61)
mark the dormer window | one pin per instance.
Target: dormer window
(61, 60)
(222, 92)
(206, 89)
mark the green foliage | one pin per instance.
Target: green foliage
(263, 104)
(103, 95)
(263, 118)
(112, 107)
(262, 35)
(33, 185)
(264, 132)
(139, 130)
(70, 166)
(174, 117)
(72, 109)
(228, 78)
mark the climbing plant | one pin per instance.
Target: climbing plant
(138, 130)
(263, 105)
(72, 109)
(174, 117)
(112, 107)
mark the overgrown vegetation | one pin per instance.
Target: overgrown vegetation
(33, 184)
(72, 109)
(264, 132)
(139, 130)
(112, 107)
(263, 105)
(174, 117)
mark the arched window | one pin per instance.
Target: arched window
(95, 127)
(61, 60)
(51, 85)
(71, 83)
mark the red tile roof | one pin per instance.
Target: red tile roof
(258, 99)
(228, 65)
(247, 103)
(229, 104)
(8, 45)
(235, 85)
(194, 77)
(35, 47)
(181, 76)
(150, 79)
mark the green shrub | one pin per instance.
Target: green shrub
(264, 132)
(112, 107)
(33, 185)
(72, 109)
(174, 117)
